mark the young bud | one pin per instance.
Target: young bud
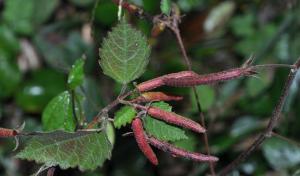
(140, 137)
(178, 152)
(155, 96)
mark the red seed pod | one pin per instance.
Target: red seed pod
(140, 137)
(5, 132)
(181, 75)
(159, 81)
(178, 152)
(151, 84)
(208, 78)
(175, 119)
(156, 96)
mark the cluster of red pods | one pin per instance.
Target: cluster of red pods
(180, 79)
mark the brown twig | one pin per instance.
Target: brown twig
(107, 108)
(271, 125)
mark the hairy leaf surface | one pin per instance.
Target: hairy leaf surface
(162, 130)
(86, 150)
(124, 116)
(58, 113)
(124, 53)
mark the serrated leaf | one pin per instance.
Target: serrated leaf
(165, 6)
(58, 113)
(124, 116)
(162, 130)
(86, 150)
(124, 53)
(76, 74)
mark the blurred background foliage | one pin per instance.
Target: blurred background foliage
(41, 39)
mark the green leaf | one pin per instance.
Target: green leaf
(218, 16)
(58, 114)
(10, 77)
(62, 55)
(165, 6)
(189, 144)
(124, 53)
(243, 25)
(110, 132)
(76, 74)
(207, 97)
(9, 45)
(244, 125)
(162, 130)
(86, 150)
(92, 100)
(106, 13)
(38, 89)
(124, 116)
(17, 14)
(281, 154)
(255, 86)
(24, 16)
(83, 3)
(43, 10)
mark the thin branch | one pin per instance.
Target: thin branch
(182, 48)
(107, 108)
(286, 139)
(175, 29)
(271, 125)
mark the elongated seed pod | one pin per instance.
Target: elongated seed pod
(208, 78)
(150, 84)
(140, 137)
(159, 81)
(181, 75)
(175, 119)
(155, 96)
(5, 132)
(178, 152)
